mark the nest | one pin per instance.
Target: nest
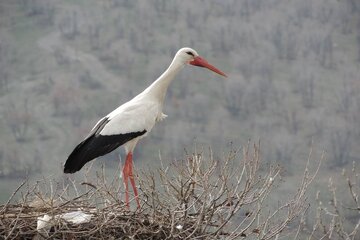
(196, 198)
(113, 222)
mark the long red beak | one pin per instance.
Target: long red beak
(201, 62)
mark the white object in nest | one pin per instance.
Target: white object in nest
(77, 217)
(43, 223)
(179, 227)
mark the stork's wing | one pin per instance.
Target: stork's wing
(120, 126)
(131, 117)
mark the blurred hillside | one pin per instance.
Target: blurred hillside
(293, 67)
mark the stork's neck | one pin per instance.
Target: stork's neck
(158, 88)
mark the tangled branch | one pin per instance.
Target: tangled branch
(199, 197)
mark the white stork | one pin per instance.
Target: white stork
(132, 121)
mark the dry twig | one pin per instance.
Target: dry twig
(197, 198)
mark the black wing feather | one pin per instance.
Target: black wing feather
(96, 145)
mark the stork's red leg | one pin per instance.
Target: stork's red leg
(128, 173)
(126, 180)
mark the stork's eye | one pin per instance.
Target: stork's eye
(190, 53)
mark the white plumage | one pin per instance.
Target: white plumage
(132, 120)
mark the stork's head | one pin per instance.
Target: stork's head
(190, 56)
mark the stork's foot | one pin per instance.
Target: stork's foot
(128, 174)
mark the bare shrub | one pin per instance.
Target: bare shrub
(198, 197)
(212, 199)
(338, 218)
